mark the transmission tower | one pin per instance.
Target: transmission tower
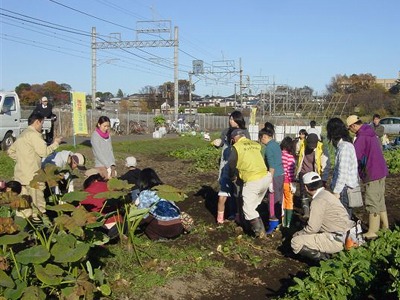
(153, 28)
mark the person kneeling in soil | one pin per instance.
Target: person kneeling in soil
(95, 184)
(164, 218)
(326, 229)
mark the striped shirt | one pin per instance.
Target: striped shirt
(289, 164)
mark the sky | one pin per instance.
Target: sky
(289, 42)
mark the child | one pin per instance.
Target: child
(300, 140)
(289, 186)
(273, 161)
(132, 176)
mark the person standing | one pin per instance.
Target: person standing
(377, 127)
(327, 226)
(246, 162)
(314, 130)
(102, 148)
(289, 185)
(236, 121)
(313, 156)
(273, 160)
(345, 173)
(46, 109)
(28, 151)
(372, 170)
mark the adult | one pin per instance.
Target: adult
(164, 218)
(372, 170)
(273, 160)
(28, 151)
(377, 126)
(326, 229)
(67, 161)
(46, 109)
(102, 148)
(345, 173)
(132, 175)
(93, 185)
(246, 162)
(313, 157)
(314, 130)
(236, 120)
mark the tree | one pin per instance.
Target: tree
(22, 87)
(152, 96)
(168, 90)
(120, 94)
(351, 84)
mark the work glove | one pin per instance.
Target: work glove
(217, 142)
(293, 187)
(271, 188)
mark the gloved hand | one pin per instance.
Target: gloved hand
(293, 187)
(271, 188)
(217, 142)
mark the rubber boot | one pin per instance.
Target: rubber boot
(384, 220)
(374, 220)
(258, 227)
(272, 225)
(288, 216)
(312, 254)
(305, 204)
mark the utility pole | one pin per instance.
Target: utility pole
(93, 68)
(176, 74)
(240, 83)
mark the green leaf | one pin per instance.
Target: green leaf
(61, 207)
(64, 254)
(105, 289)
(21, 222)
(34, 255)
(16, 293)
(33, 293)
(49, 275)
(74, 196)
(10, 239)
(6, 280)
(115, 184)
(169, 192)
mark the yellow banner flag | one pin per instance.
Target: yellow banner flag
(79, 112)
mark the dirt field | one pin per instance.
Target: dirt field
(239, 278)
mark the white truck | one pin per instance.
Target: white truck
(11, 124)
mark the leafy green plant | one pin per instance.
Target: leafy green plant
(205, 158)
(159, 121)
(392, 158)
(372, 269)
(50, 259)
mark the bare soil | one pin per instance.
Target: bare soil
(238, 278)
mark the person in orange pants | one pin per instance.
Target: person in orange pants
(289, 186)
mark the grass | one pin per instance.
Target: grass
(6, 166)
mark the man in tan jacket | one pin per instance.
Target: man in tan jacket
(28, 151)
(327, 226)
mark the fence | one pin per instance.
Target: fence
(210, 123)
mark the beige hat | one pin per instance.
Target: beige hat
(91, 172)
(44, 99)
(79, 159)
(352, 119)
(130, 161)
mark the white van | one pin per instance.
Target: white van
(11, 124)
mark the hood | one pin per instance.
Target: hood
(366, 130)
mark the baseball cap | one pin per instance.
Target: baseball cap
(79, 159)
(130, 161)
(44, 99)
(237, 132)
(312, 140)
(352, 119)
(311, 177)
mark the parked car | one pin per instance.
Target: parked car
(391, 124)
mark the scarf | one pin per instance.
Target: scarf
(104, 135)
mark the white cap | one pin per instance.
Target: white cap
(130, 161)
(44, 99)
(311, 177)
